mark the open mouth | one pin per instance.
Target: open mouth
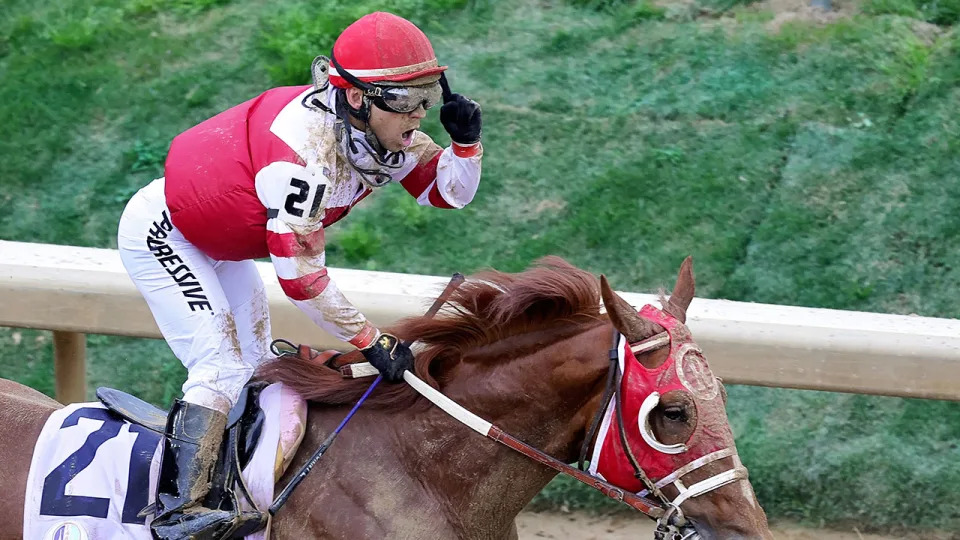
(407, 137)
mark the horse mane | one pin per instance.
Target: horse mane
(489, 307)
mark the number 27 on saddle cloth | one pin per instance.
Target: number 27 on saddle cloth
(92, 472)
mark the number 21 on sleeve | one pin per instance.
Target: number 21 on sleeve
(305, 197)
(296, 193)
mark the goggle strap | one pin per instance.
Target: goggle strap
(368, 89)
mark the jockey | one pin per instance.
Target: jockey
(266, 178)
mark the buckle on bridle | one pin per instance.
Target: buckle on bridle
(673, 516)
(672, 525)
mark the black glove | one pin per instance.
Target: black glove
(459, 115)
(389, 356)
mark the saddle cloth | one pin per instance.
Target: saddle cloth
(93, 472)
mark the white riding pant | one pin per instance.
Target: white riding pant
(213, 314)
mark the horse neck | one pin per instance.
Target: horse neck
(541, 388)
(544, 395)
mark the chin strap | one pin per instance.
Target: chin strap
(357, 149)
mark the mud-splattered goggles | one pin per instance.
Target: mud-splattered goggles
(398, 99)
(405, 99)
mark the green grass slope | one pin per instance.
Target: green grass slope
(801, 160)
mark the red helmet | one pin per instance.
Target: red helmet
(382, 47)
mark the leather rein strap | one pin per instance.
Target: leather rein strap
(649, 507)
(608, 391)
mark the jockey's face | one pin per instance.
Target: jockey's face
(394, 130)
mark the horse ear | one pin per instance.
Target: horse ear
(682, 292)
(624, 317)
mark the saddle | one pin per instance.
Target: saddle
(244, 427)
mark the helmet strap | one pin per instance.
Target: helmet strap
(367, 88)
(382, 158)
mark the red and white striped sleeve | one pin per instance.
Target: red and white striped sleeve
(447, 179)
(294, 196)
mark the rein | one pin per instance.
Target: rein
(654, 509)
(481, 426)
(671, 522)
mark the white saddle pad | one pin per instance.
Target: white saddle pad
(92, 472)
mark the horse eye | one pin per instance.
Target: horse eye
(675, 414)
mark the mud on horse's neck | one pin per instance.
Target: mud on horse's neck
(542, 396)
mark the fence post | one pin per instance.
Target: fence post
(70, 366)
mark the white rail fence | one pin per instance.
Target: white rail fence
(75, 291)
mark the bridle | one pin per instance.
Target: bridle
(671, 523)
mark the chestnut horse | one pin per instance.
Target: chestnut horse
(527, 352)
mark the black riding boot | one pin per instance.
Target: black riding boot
(191, 447)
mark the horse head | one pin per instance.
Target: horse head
(671, 439)
(529, 353)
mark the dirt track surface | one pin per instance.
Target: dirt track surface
(578, 526)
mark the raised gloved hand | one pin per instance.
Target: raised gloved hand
(389, 356)
(459, 115)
